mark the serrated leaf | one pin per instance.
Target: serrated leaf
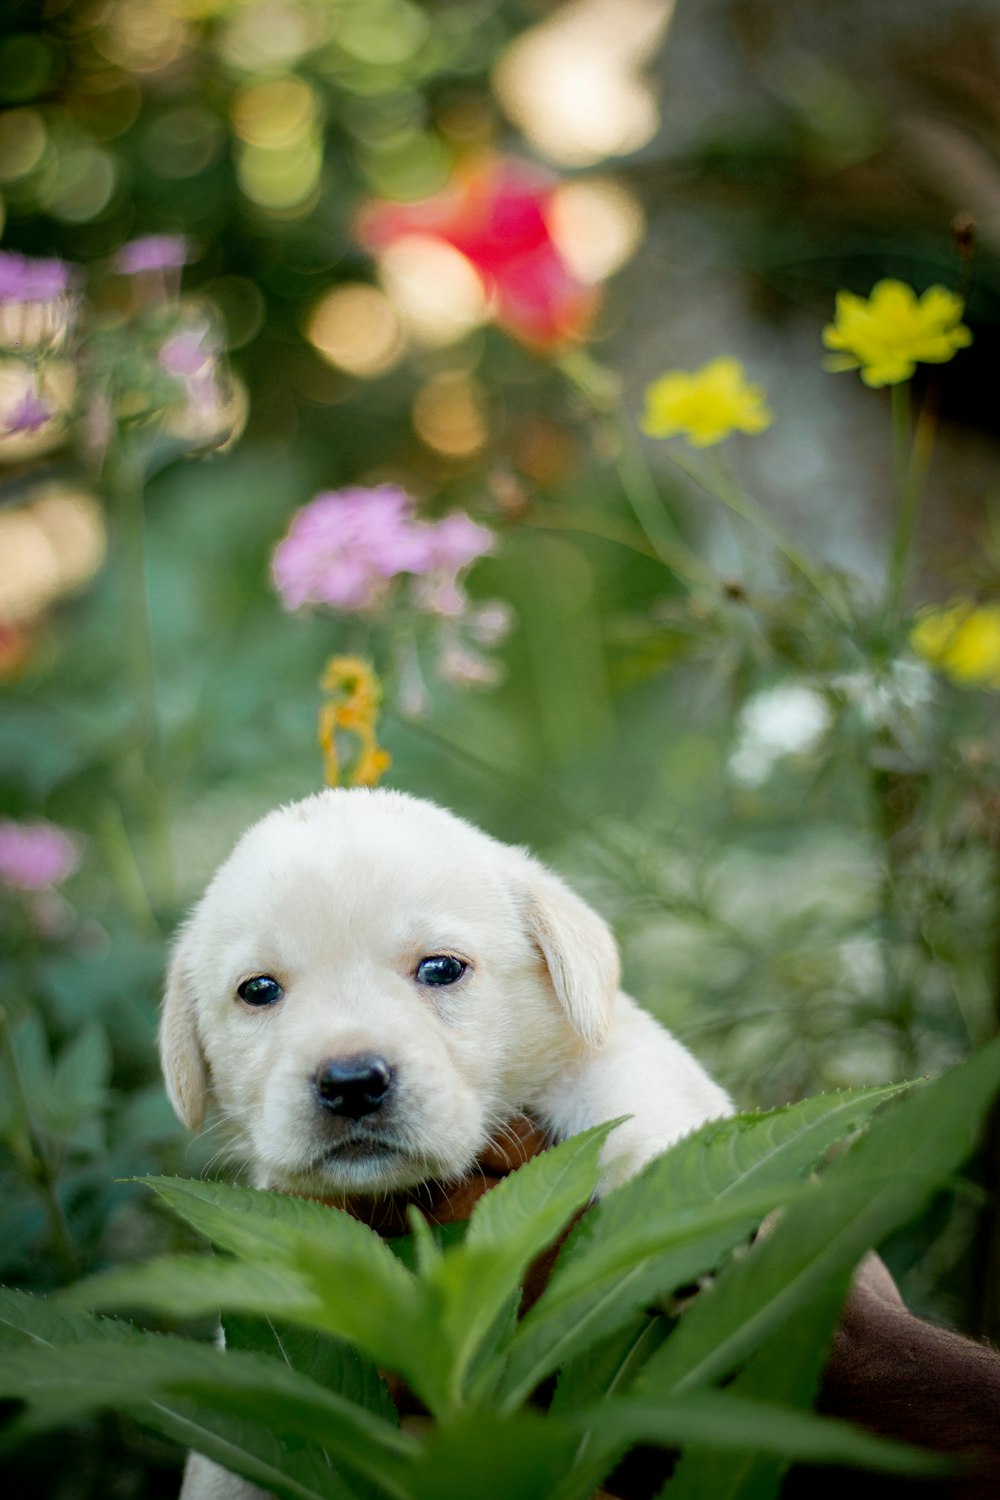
(27, 1320)
(247, 1220)
(525, 1211)
(358, 1289)
(872, 1188)
(625, 1251)
(785, 1371)
(59, 1384)
(329, 1361)
(729, 1422)
(471, 1286)
(189, 1286)
(627, 1273)
(245, 1447)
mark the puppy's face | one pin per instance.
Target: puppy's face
(370, 987)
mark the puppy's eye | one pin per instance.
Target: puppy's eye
(440, 968)
(260, 990)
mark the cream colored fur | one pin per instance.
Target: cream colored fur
(339, 897)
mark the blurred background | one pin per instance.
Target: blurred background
(794, 831)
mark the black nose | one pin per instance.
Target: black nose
(353, 1086)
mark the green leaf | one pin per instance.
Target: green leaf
(325, 1268)
(493, 1458)
(786, 1371)
(526, 1210)
(247, 1220)
(26, 1320)
(674, 1221)
(728, 1422)
(610, 1365)
(330, 1362)
(872, 1188)
(247, 1447)
(80, 1079)
(189, 1286)
(472, 1285)
(61, 1383)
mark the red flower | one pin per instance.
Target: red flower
(497, 216)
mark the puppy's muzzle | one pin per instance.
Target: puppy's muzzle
(353, 1087)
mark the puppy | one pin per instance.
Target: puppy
(370, 988)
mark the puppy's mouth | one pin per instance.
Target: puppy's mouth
(361, 1164)
(363, 1148)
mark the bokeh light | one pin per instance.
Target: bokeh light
(143, 35)
(281, 156)
(573, 83)
(48, 548)
(22, 142)
(435, 290)
(597, 226)
(272, 36)
(356, 329)
(449, 415)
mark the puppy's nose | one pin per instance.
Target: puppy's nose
(353, 1086)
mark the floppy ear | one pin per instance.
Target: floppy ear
(579, 951)
(185, 1070)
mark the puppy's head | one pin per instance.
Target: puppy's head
(370, 987)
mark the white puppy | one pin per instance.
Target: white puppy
(371, 987)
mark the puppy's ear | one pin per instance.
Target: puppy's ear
(183, 1061)
(579, 951)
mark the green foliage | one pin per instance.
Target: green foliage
(313, 1301)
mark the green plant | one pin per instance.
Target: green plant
(315, 1304)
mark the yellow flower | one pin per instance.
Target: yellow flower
(892, 331)
(706, 405)
(962, 641)
(353, 703)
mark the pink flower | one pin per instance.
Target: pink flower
(457, 541)
(496, 213)
(187, 351)
(344, 547)
(35, 856)
(154, 252)
(26, 280)
(28, 415)
(37, 307)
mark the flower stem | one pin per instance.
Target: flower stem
(903, 497)
(642, 494)
(42, 1167)
(125, 480)
(602, 391)
(911, 455)
(719, 483)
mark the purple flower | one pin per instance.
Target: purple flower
(343, 548)
(154, 252)
(35, 856)
(37, 308)
(28, 415)
(24, 280)
(457, 541)
(187, 352)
